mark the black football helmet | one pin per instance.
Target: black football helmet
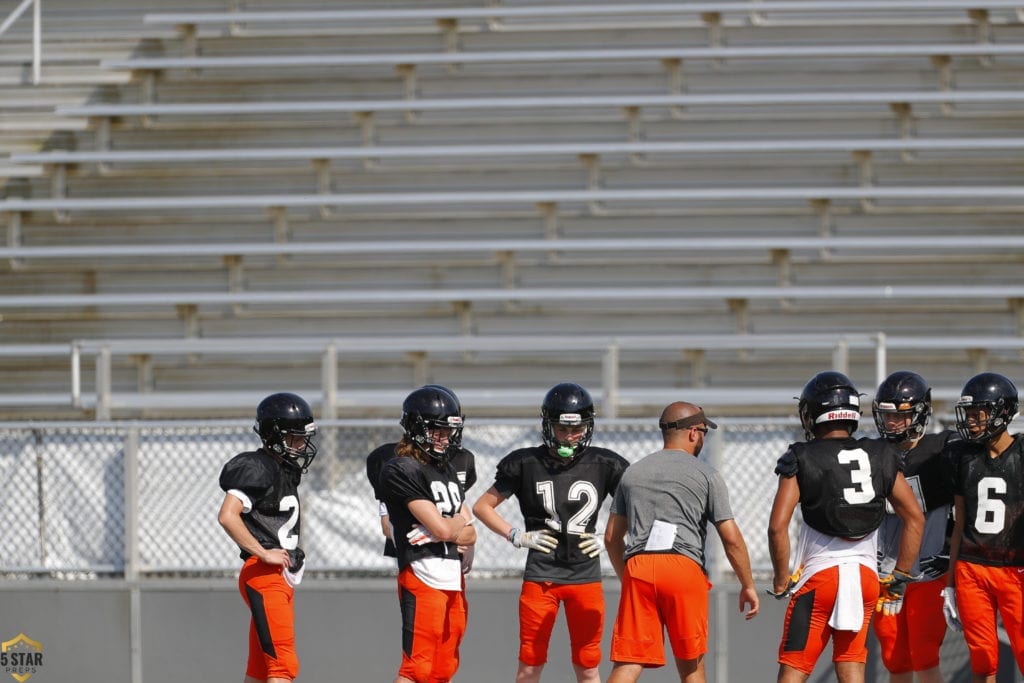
(456, 438)
(829, 397)
(992, 393)
(429, 408)
(904, 394)
(280, 419)
(567, 404)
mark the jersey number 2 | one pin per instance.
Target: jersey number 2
(285, 537)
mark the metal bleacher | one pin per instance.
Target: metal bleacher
(656, 199)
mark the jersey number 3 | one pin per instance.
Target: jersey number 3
(862, 491)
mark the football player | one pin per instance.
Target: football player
(902, 409)
(841, 485)
(260, 513)
(987, 546)
(560, 486)
(463, 460)
(430, 521)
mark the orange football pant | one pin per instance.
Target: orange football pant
(272, 627)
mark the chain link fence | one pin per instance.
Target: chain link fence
(84, 500)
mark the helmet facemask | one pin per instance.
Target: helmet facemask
(566, 449)
(437, 438)
(970, 413)
(902, 407)
(296, 445)
(988, 403)
(433, 421)
(285, 424)
(568, 407)
(899, 423)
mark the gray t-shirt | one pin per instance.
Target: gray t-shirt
(673, 488)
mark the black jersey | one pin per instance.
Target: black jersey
(272, 490)
(564, 500)
(929, 471)
(843, 483)
(463, 461)
(405, 479)
(993, 492)
(928, 468)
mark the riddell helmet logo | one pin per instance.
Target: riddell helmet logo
(841, 415)
(21, 657)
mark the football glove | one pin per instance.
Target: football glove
(466, 553)
(788, 590)
(934, 566)
(591, 545)
(890, 596)
(949, 609)
(420, 536)
(542, 540)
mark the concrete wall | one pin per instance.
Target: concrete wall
(347, 631)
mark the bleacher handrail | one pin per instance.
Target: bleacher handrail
(554, 57)
(512, 197)
(327, 348)
(883, 243)
(325, 297)
(737, 146)
(555, 10)
(740, 99)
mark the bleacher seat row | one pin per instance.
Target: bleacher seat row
(651, 198)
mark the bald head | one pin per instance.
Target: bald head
(683, 426)
(674, 412)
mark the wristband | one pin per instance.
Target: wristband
(511, 533)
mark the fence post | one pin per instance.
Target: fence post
(131, 549)
(329, 380)
(841, 356)
(103, 381)
(881, 359)
(131, 504)
(717, 562)
(610, 380)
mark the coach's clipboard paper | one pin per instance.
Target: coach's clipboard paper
(663, 535)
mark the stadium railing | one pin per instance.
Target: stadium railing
(523, 149)
(845, 98)
(453, 201)
(609, 297)
(554, 11)
(557, 57)
(888, 244)
(333, 398)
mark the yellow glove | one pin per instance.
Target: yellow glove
(890, 595)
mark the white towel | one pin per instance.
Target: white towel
(294, 578)
(848, 612)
